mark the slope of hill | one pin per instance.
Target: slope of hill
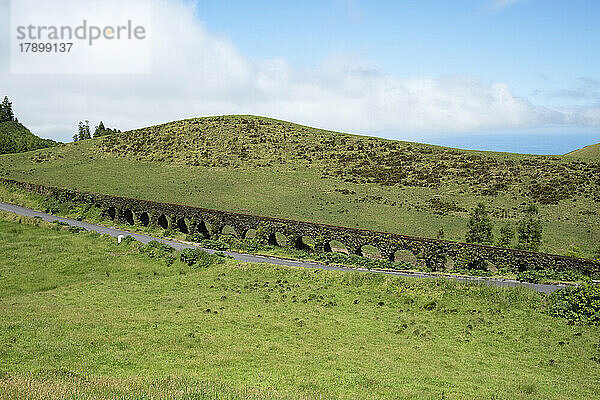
(269, 167)
(590, 152)
(16, 138)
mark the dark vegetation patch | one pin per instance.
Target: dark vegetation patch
(580, 304)
(16, 138)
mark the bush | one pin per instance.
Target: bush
(56, 206)
(189, 256)
(529, 231)
(199, 258)
(472, 263)
(128, 240)
(537, 276)
(76, 229)
(155, 249)
(195, 237)
(579, 304)
(574, 251)
(479, 226)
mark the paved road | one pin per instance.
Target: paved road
(264, 259)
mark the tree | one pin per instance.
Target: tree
(529, 231)
(507, 233)
(441, 234)
(480, 226)
(100, 130)
(84, 131)
(6, 112)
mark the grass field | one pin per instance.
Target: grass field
(268, 167)
(591, 152)
(83, 316)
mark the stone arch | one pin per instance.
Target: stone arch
(305, 243)
(406, 256)
(202, 229)
(370, 251)
(336, 246)
(278, 239)
(144, 218)
(250, 234)
(182, 225)
(229, 230)
(128, 216)
(450, 263)
(111, 212)
(163, 222)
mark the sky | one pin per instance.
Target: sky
(509, 75)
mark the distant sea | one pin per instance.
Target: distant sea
(528, 143)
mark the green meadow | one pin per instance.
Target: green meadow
(84, 317)
(269, 167)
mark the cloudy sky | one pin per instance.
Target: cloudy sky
(519, 75)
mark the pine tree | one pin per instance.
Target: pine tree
(479, 226)
(84, 131)
(507, 233)
(100, 130)
(6, 112)
(529, 231)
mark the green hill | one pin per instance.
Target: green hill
(591, 152)
(270, 167)
(16, 138)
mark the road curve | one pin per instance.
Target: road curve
(545, 288)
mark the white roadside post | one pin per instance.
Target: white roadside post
(120, 238)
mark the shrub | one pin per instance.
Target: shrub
(471, 262)
(579, 304)
(529, 231)
(199, 258)
(574, 251)
(76, 229)
(507, 233)
(189, 256)
(155, 249)
(537, 276)
(55, 206)
(195, 237)
(169, 233)
(128, 240)
(479, 226)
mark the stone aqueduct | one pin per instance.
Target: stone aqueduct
(297, 233)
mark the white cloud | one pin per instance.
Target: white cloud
(196, 73)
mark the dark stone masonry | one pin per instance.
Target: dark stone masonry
(319, 236)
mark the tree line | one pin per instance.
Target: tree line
(528, 229)
(84, 132)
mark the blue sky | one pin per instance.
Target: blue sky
(545, 50)
(513, 75)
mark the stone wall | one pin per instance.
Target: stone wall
(210, 222)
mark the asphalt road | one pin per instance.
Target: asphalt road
(270, 260)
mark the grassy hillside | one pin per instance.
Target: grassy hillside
(81, 317)
(591, 152)
(270, 167)
(15, 138)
